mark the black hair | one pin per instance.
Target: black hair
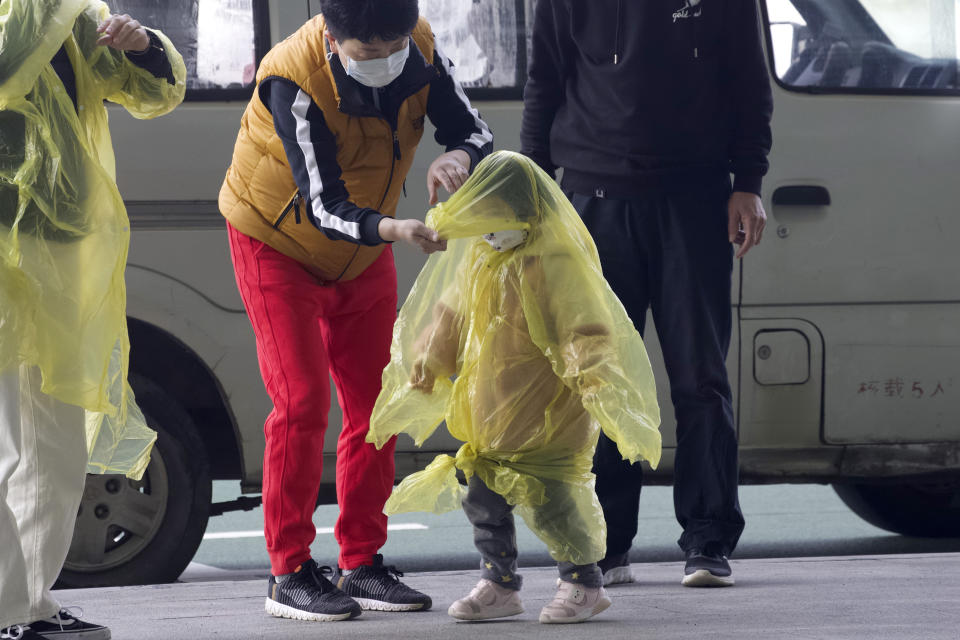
(365, 20)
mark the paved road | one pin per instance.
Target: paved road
(861, 598)
(782, 521)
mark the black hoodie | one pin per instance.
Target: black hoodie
(629, 95)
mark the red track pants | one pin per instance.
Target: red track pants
(304, 330)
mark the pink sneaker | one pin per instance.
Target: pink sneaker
(574, 603)
(488, 600)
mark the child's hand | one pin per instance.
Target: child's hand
(422, 378)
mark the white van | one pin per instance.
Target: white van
(845, 360)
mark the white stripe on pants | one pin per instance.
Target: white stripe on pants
(43, 459)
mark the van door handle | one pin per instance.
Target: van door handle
(802, 196)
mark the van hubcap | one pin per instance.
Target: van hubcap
(118, 517)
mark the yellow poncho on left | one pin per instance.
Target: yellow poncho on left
(525, 353)
(64, 231)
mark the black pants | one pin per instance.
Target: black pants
(669, 252)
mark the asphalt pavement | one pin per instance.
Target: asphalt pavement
(783, 521)
(896, 597)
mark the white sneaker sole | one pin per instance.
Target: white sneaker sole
(617, 575)
(602, 605)
(278, 610)
(379, 605)
(484, 615)
(704, 578)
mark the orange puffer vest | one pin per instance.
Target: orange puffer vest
(259, 191)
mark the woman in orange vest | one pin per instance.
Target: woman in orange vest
(319, 165)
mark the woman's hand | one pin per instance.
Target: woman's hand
(451, 170)
(124, 34)
(413, 232)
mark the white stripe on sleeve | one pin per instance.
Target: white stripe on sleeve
(484, 136)
(327, 219)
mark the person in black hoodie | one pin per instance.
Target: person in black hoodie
(648, 108)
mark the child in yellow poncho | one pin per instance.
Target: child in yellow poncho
(515, 339)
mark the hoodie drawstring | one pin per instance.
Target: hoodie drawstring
(616, 46)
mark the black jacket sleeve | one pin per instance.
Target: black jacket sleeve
(745, 73)
(544, 91)
(458, 123)
(154, 60)
(312, 153)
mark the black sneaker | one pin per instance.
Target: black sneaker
(66, 626)
(19, 632)
(309, 595)
(378, 588)
(707, 567)
(616, 569)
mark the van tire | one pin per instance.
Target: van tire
(928, 510)
(172, 506)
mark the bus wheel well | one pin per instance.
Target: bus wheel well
(173, 366)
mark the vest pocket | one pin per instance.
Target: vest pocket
(294, 206)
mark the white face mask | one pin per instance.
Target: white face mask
(378, 72)
(506, 240)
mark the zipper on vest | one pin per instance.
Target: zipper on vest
(293, 204)
(393, 164)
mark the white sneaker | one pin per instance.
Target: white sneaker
(617, 575)
(574, 603)
(488, 600)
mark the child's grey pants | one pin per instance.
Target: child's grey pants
(495, 536)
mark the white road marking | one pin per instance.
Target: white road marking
(230, 535)
(197, 572)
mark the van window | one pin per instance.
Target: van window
(487, 42)
(221, 40)
(866, 46)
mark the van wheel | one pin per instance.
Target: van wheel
(930, 510)
(147, 531)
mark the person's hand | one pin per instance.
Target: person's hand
(412, 232)
(746, 221)
(422, 377)
(450, 170)
(124, 34)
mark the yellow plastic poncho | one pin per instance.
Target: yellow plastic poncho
(525, 353)
(64, 231)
